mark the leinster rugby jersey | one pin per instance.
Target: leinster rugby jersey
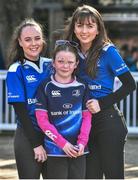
(109, 65)
(62, 114)
(22, 82)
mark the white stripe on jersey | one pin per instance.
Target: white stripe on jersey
(13, 67)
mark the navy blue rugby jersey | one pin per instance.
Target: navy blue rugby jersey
(22, 82)
(64, 104)
(109, 66)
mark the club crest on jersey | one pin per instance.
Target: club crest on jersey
(31, 78)
(76, 92)
(56, 93)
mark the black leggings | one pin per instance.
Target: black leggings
(27, 166)
(106, 145)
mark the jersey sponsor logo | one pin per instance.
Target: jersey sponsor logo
(67, 106)
(76, 92)
(31, 78)
(10, 95)
(123, 66)
(50, 135)
(32, 101)
(66, 112)
(58, 113)
(56, 93)
(94, 87)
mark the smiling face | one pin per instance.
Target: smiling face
(86, 32)
(64, 63)
(31, 41)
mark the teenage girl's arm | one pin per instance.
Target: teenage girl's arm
(128, 86)
(35, 137)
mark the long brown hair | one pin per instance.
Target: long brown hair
(80, 15)
(15, 51)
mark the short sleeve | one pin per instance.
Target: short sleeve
(15, 86)
(115, 61)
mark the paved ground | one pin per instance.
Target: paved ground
(8, 168)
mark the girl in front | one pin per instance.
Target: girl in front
(62, 115)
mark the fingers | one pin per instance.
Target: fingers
(38, 157)
(81, 150)
(89, 102)
(41, 157)
(93, 106)
(71, 152)
(40, 154)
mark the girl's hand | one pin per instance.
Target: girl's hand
(80, 149)
(40, 154)
(69, 150)
(93, 106)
